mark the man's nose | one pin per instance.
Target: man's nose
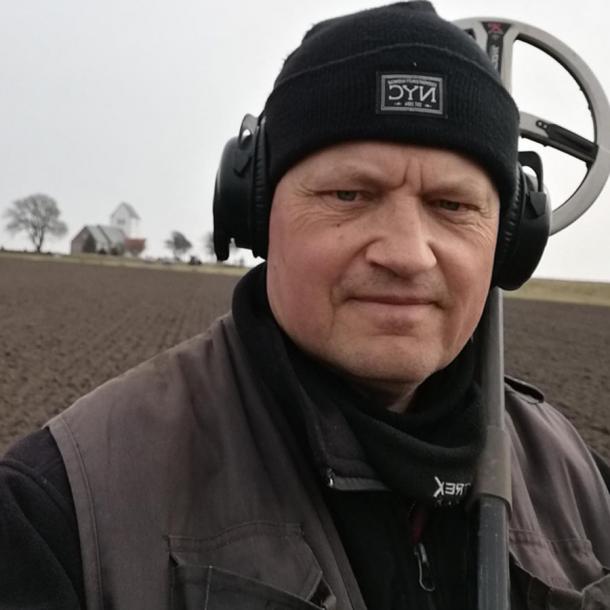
(401, 237)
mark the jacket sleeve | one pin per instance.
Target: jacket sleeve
(39, 548)
(603, 465)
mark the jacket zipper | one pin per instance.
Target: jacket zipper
(417, 521)
(426, 582)
(334, 481)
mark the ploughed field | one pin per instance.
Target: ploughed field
(67, 327)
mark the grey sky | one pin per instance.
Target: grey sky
(133, 100)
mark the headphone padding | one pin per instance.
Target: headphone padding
(508, 230)
(261, 199)
(523, 234)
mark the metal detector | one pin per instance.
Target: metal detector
(493, 486)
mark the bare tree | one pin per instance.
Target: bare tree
(36, 215)
(178, 244)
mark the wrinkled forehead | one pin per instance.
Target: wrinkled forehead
(377, 164)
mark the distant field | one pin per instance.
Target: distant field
(562, 291)
(123, 261)
(588, 293)
(68, 325)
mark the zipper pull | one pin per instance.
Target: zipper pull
(330, 478)
(425, 573)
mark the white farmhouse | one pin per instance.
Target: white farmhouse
(126, 219)
(99, 239)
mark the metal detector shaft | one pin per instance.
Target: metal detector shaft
(493, 477)
(492, 486)
(493, 482)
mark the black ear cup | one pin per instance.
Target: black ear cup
(241, 200)
(524, 228)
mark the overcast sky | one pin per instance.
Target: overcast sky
(133, 100)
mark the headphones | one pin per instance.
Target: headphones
(242, 204)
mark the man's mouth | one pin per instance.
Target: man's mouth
(394, 299)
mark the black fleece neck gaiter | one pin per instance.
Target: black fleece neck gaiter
(426, 454)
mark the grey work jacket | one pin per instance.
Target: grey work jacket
(190, 492)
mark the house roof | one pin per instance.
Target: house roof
(113, 234)
(129, 209)
(106, 236)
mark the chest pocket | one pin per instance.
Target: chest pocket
(531, 593)
(556, 575)
(253, 566)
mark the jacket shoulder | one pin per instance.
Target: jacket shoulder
(527, 391)
(558, 491)
(541, 435)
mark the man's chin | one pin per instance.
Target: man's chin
(389, 365)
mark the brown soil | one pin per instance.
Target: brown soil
(564, 349)
(67, 327)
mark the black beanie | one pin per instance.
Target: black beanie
(396, 73)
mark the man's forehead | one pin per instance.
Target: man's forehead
(376, 160)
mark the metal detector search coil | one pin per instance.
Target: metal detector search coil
(497, 38)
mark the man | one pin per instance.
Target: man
(316, 448)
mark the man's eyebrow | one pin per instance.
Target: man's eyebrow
(375, 176)
(460, 186)
(359, 174)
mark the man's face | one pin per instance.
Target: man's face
(380, 259)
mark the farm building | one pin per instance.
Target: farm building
(114, 238)
(135, 245)
(126, 219)
(98, 239)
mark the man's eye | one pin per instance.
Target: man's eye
(346, 195)
(452, 206)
